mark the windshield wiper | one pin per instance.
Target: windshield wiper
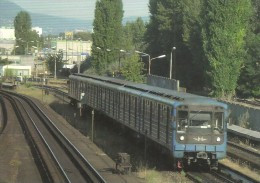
(195, 114)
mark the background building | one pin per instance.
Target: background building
(74, 51)
(6, 46)
(38, 30)
(16, 70)
(7, 33)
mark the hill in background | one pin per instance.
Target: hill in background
(49, 24)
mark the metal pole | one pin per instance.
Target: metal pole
(92, 126)
(171, 66)
(145, 147)
(149, 69)
(119, 61)
(174, 65)
(66, 51)
(27, 49)
(55, 76)
(78, 58)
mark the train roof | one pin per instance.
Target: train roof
(182, 97)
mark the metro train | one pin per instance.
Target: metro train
(192, 127)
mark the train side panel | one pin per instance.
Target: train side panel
(144, 114)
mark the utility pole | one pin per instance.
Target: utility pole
(92, 126)
(55, 67)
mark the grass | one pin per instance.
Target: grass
(28, 90)
(154, 176)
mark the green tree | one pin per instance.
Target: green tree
(9, 72)
(248, 85)
(223, 32)
(107, 33)
(23, 26)
(134, 34)
(51, 59)
(84, 36)
(132, 69)
(4, 61)
(176, 23)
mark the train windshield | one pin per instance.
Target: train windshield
(206, 120)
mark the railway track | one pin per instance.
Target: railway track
(3, 115)
(39, 129)
(214, 176)
(245, 154)
(224, 174)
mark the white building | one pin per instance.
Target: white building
(74, 51)
(6, 46)
(38, 30)
(17, 70)
(7, 33)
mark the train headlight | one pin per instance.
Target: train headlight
(218, 139)
(181, 137)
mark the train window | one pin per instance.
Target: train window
(218, 122)
(200, 119)
(182, 121)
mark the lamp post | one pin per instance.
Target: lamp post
(55, 67)
(15, 48)
(14, 52)
(27, 42)
(119, 64)
(173, 49)
(36, 65)
(55, 64)
(150, 61)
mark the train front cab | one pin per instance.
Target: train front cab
(200, 134)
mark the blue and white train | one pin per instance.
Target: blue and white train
(192, 127)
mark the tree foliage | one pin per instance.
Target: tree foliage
(107, 33)
(248, 85)
(132, 69)
(25, 37)
(175, 23)
(84, 36)
(134, 35)
(51, 59)
(224, 29)
(212, 40)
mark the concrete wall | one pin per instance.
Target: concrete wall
(237, 110)
(163, 82)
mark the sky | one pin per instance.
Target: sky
(80, 9)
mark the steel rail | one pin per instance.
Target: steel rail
(29, 138)
(225, 168)
(76, 151)
(47, 145)
(250, 151)
(86, 162)
(4, 115)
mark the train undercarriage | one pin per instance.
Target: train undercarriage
(190, 159)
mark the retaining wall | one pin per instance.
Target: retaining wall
(238, 110)
(163, 82)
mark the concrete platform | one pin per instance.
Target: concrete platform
(250, 134)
